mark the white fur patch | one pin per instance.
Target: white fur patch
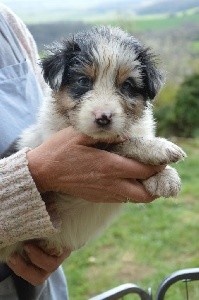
(113, 56)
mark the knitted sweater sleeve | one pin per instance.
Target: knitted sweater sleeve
(23, 214)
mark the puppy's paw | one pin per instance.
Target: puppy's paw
(164, 184)
(166, 152)
(173, 153)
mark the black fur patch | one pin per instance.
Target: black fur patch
(74, 76)
(152, 77)
(58, 62)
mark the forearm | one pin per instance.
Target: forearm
(23, 213)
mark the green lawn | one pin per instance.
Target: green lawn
(195, 47)
(146, 243)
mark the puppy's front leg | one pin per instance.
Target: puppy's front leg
(153, 151)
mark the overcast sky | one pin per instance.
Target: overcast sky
(71, 4)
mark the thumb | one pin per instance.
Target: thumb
(76, 137)
(86, 140)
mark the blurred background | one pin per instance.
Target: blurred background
(149, 242)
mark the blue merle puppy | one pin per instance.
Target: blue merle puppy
(103, 82)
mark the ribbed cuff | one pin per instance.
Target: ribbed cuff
(23, 214)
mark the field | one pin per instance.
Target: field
(151, 22)
(146, 243)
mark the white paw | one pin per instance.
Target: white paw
(167, 152)
(164, 184)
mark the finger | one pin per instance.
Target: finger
(121, 191)
(136, 193)
(86, 140)
(27, 271)
(130, 168)
(44, 261)
(130, 191)
(76, 137)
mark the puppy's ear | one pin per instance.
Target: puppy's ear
(57, 62)
(152, 77)
(153, 81)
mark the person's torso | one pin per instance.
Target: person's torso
(20, 94)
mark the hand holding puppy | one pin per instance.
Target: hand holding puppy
(69, 163)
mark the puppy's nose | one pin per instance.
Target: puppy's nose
(104, 119)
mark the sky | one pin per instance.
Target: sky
(72, 4)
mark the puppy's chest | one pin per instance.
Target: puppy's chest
(64, 204)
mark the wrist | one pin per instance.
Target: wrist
(37, 170)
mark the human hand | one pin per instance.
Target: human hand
(68, 163)
(39, 268)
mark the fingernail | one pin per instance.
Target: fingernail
(27, 249)
(68, 252)
(12, 260)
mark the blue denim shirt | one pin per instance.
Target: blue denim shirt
(20, 94)
(20, 98)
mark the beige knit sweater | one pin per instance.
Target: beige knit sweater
(23, 215)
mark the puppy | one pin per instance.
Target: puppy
(103, 82)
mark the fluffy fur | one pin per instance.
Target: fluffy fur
(103, 82)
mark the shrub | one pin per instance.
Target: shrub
(164, 110)
(186, 108)
(179, 115)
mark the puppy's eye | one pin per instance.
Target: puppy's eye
(129, 88)
(80, 85)
(84, 81)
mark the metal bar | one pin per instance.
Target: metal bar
(186, 274)
(122, 290)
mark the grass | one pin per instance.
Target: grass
(195, 47)
(146, 243)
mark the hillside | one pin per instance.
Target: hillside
(47, 33)
(42, 11)
(169, 7)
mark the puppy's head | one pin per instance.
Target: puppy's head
(102, 81)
